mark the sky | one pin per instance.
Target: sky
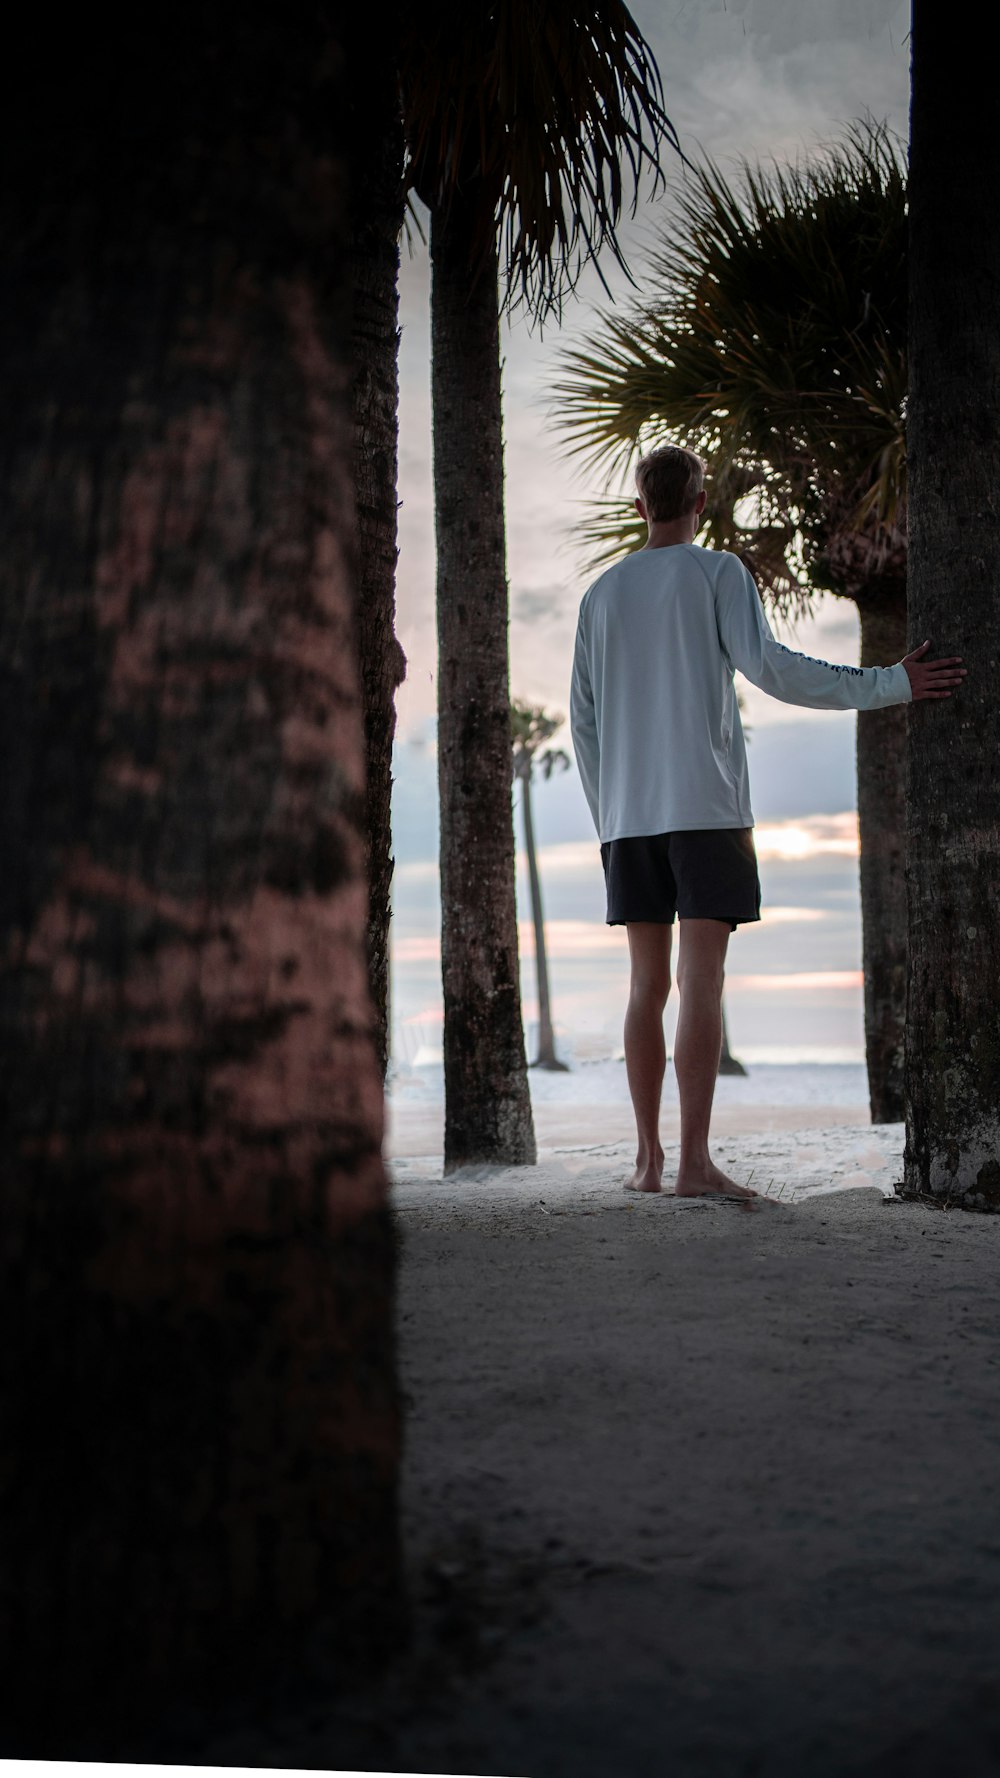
(760, 79)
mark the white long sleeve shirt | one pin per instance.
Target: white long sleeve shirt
(653, 714)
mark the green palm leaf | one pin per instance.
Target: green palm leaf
(776, 347)
(542, 109)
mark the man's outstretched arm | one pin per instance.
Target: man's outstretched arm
(750, 645)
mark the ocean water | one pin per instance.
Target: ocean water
(602, 1081)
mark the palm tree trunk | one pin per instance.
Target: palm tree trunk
(727, 1062)
(196, 1344)
(546, 1057)
(487, 1104)
(377, 206)
(881, 760)
(953, 787)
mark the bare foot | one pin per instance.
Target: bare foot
(647, 1176)
(710, 1182)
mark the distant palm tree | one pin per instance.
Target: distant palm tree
(532, 727)
(728, 1063)
(775, 345)
(518, 122)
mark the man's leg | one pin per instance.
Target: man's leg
(697, 1047)
(645, 1049)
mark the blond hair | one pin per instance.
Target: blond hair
(669, 481)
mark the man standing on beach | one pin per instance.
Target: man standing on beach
(659, 744)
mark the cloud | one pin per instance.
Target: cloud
(416, 950)
(580, 939)
(563, 938)
(534, 603)
(778, 916)
(811, 837)
(568, 858)
(797, 981)
(418, 870)
(786, 25)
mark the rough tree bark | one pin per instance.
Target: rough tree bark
(881, 762)
(487, 1103)
(377, 198)
(199, 1413)
(953, 784)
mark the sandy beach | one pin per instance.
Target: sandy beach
(689, 1490)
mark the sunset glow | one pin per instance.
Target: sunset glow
(811, 837)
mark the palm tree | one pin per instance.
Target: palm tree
(953, 802)
(532, 727)
(728, 1063)
(377, 206)
(776, 346)
(517, 119)
(197, 1371)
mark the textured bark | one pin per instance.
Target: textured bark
(377, 216)
(881, 760)
(487, 1103)
(197, 1392)
(953, 788)
(546, 1057)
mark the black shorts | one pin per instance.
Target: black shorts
(699, 874)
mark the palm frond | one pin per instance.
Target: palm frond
(610, 529)
(549, 112)
(775, 346)
(413, 228)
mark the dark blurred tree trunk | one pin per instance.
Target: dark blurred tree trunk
(199, 1410)
(881, 763)
(377, 217)
(487, 1103)
(953, 786)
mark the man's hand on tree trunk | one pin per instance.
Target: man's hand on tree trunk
(932, 679)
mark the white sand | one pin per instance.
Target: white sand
(787, 1131)
(783, 1157)
(690, 1492)
(590, 1105)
